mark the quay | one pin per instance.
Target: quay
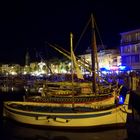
(133, 125)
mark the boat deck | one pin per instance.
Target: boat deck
(50, 109)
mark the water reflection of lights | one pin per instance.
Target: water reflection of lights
(7, 88)
(40, 90)
(12, 88)
(26, 89)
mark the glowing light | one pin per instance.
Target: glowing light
(104, 68)
(121, 99)
(24, 72)
(114, 68)
(122, 67)
(13, 73)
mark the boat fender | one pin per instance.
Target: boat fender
(61, 120)
(41, 118)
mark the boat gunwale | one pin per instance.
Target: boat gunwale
(112, 109)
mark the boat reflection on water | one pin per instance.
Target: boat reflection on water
(10, 88)
(16, 131)
(27, 89)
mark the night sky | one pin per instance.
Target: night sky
(31, 24)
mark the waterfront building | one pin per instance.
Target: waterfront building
(12, 69)
(130, 49)
(108, 58)
(4, 69)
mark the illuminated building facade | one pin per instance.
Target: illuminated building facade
(130, 49)
(109, 59)
(106, 58)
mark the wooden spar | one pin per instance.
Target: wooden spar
(80, 62)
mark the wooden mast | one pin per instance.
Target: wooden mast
(72, 67)
(93, 56)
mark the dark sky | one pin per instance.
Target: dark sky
(30, 24)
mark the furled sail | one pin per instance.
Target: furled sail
(78, 71)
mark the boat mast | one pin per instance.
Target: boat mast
(93, 56)
(72, 67)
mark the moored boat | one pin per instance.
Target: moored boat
(103, 107)
(76, 92)
(44, 114)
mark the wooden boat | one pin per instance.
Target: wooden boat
(90, 92)
(73, 111)
(44, 114)
(65, 95)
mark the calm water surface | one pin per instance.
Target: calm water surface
(16, 131)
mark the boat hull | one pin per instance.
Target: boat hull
(113, 116)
